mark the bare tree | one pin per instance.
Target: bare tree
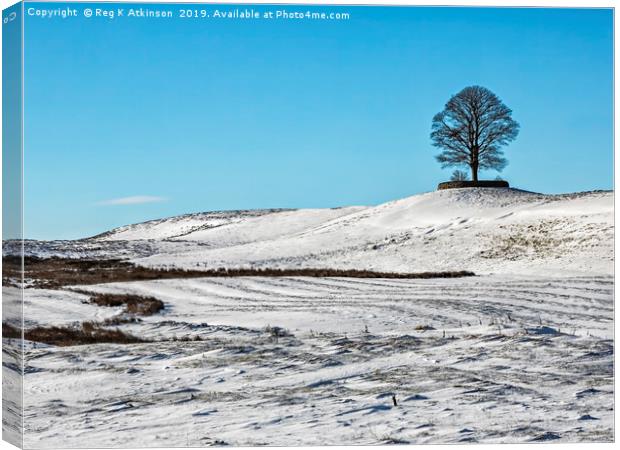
(472, 129)
(459, 175)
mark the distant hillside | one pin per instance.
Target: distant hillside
(483, 230)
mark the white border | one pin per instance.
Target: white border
(474, 3)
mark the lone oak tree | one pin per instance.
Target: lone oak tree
(472, 129)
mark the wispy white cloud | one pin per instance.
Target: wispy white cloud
(134, 200)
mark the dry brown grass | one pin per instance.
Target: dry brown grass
(134, 304)
(53, 273)
(88, 333)
(423, 328)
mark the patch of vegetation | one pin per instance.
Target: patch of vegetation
(134, 304)
(54, 273)
(87, 333)
(277, 331)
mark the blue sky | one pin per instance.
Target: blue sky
(11, 126)
(135, 119)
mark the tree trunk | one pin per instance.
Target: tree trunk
(474, 171)
(474, 164)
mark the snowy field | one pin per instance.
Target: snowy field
(521, 352)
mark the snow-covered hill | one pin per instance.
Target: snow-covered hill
(490, 230)
(228, 228)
